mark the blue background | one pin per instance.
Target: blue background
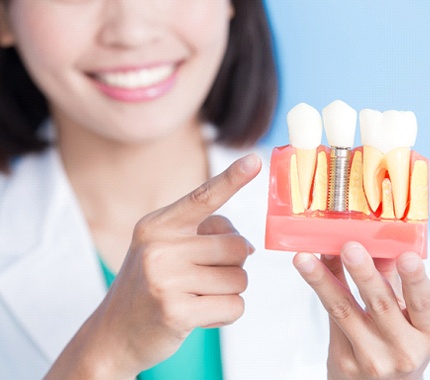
(368, 53)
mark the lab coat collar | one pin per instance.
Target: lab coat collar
(45, 247)
(54, 249)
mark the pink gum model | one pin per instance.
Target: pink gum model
(325, 232)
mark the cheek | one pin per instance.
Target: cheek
(204, 24)
(42, 34)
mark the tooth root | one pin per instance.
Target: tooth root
(306, 162)
(319, 193)
(387, 200)
(296, 200)
(419, 201)
(397, 162)
(373, 175)
(305, 132)
(356, 197)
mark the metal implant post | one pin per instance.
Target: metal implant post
(339, 179)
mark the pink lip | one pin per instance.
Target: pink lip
(135, 95)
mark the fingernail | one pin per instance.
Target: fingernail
(329, 257)
(251, 248)
(249, 162)
(409, 263)
(306, 264)
(353, 253)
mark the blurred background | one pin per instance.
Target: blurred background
(368, 53)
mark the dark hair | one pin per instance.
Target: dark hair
(240, 104)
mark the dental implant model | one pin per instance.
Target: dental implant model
(321, 197)
(339, 122)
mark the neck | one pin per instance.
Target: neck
(117, 183)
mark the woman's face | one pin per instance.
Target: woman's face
(130, 70)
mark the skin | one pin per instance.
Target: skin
(390, 338)
(113, 140)
(188, 273)
(185, 265)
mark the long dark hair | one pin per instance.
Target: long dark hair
(240, 104)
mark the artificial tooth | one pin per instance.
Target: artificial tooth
(305, 132)
(339, 122)
(387, 138)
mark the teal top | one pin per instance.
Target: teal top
(199, 357)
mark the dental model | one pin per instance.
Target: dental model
(305, 130)
(387, 138)
(377, 194)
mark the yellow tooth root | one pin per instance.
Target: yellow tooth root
(320, 190)
(419, 203)
(397, 161)
(387, 200)
(373, 175)
(306, 161)
(296, 199)
(357, 198)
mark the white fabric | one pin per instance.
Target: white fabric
(50, 280)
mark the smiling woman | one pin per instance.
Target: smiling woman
(128, 92)
(172, 60)
(124, 126)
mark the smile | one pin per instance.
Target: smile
(136, 85)
(137, 79)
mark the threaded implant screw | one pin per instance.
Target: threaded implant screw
(339, 179)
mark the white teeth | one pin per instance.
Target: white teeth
(387, 138)
(305, 132)
(388, 130)
(304, 127)
(138, 78)
(339, 122)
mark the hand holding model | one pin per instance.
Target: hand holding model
(183, 270)
(390, 337)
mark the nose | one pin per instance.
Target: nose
(130, 23)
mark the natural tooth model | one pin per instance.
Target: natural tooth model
(305, 132)
(339, 122)
(387, 138)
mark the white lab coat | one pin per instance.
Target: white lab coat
(50, 280)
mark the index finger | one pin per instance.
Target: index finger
(209, 197)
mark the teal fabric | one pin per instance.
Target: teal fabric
(199, 357)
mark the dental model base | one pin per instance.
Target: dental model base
(322, 197)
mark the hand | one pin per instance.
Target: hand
(390, 338)
(184, 269)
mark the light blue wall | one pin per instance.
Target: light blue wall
(368, 53)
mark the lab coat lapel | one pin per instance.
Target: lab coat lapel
(54, 249)
(242, 342)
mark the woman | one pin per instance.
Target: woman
(134, 93)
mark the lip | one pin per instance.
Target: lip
(138, 94)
